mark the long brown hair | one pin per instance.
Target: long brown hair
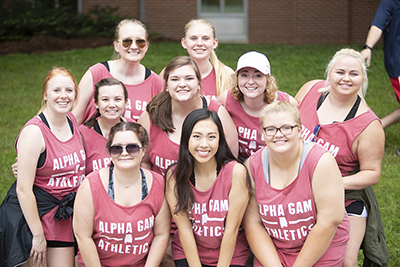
(160, 107)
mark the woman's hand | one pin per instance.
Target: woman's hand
(38, 251)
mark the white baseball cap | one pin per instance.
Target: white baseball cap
(255, 60)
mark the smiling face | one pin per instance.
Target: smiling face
(60, 94)
(133, 52)
(199, 41)
(346, 76)
(204, 141)
(252, 83)
(125, 160)
(111, 102)
(279, 142)
(182, 83)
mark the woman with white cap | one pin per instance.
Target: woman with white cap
(253, 88)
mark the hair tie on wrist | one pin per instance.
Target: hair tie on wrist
(367, 46)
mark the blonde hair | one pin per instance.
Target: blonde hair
(278, 107)
(269, 93)
(221, 76)
(118, 30)
(51, 74)
(348, 52)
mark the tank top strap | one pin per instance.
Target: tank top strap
(145, 190)
(265, 161)
(203, 98)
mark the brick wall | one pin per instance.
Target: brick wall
(270, 21)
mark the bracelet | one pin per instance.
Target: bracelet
(367, 46)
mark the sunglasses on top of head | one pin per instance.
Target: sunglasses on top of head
(127, 42)
(132, 149)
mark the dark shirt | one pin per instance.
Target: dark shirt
(387, 18)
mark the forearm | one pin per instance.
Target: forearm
(189, 247)
(262, 246)
(227, 247)
(28, 205)
(361, 179)
(157, 250)
(317, 242)
(373, 37)
(88, 251)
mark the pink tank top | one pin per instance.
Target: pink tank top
(123, 235)
(289, 214)
(138, 95)
(208, 219)
(61, 174)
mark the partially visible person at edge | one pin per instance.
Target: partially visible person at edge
(335, 115)
(51, 166)
(297, 215)
(387, 22)
(207, 192)
(253, 88)
(110, 98)
(165, 113)
(130, 45)
(200, 42)
(121, 216)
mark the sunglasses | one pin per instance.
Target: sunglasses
(127, 42)
(132, 149)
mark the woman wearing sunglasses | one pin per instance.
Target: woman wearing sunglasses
(51, 166)
(253, 87)
(110, 98)
(130, 45)
(296, 216)
(207, 192)
(336, 116)
(167, 110)
(121, 216)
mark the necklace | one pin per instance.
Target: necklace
(126, 186)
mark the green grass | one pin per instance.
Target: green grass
(21, 78)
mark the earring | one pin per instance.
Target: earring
(166, 90)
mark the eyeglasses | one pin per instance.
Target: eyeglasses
(285, 130)
(127, 42)
(132, 149)
(315, 132)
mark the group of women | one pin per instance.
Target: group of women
(197, 167)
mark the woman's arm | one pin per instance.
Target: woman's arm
(229, 130)
(84, 96)
(369, 146)
(304, 90)
(162, 228)
(144, 120)
(328, 191)
(83, 224)
(293, 101)
(183, 223)
(258, 238)
(238, 200)
(222, 97)
(29, 146)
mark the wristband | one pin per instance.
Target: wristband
(367, 46)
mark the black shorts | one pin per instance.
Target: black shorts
(60, 244)
(356, 208)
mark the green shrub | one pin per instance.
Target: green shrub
(22, 20)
